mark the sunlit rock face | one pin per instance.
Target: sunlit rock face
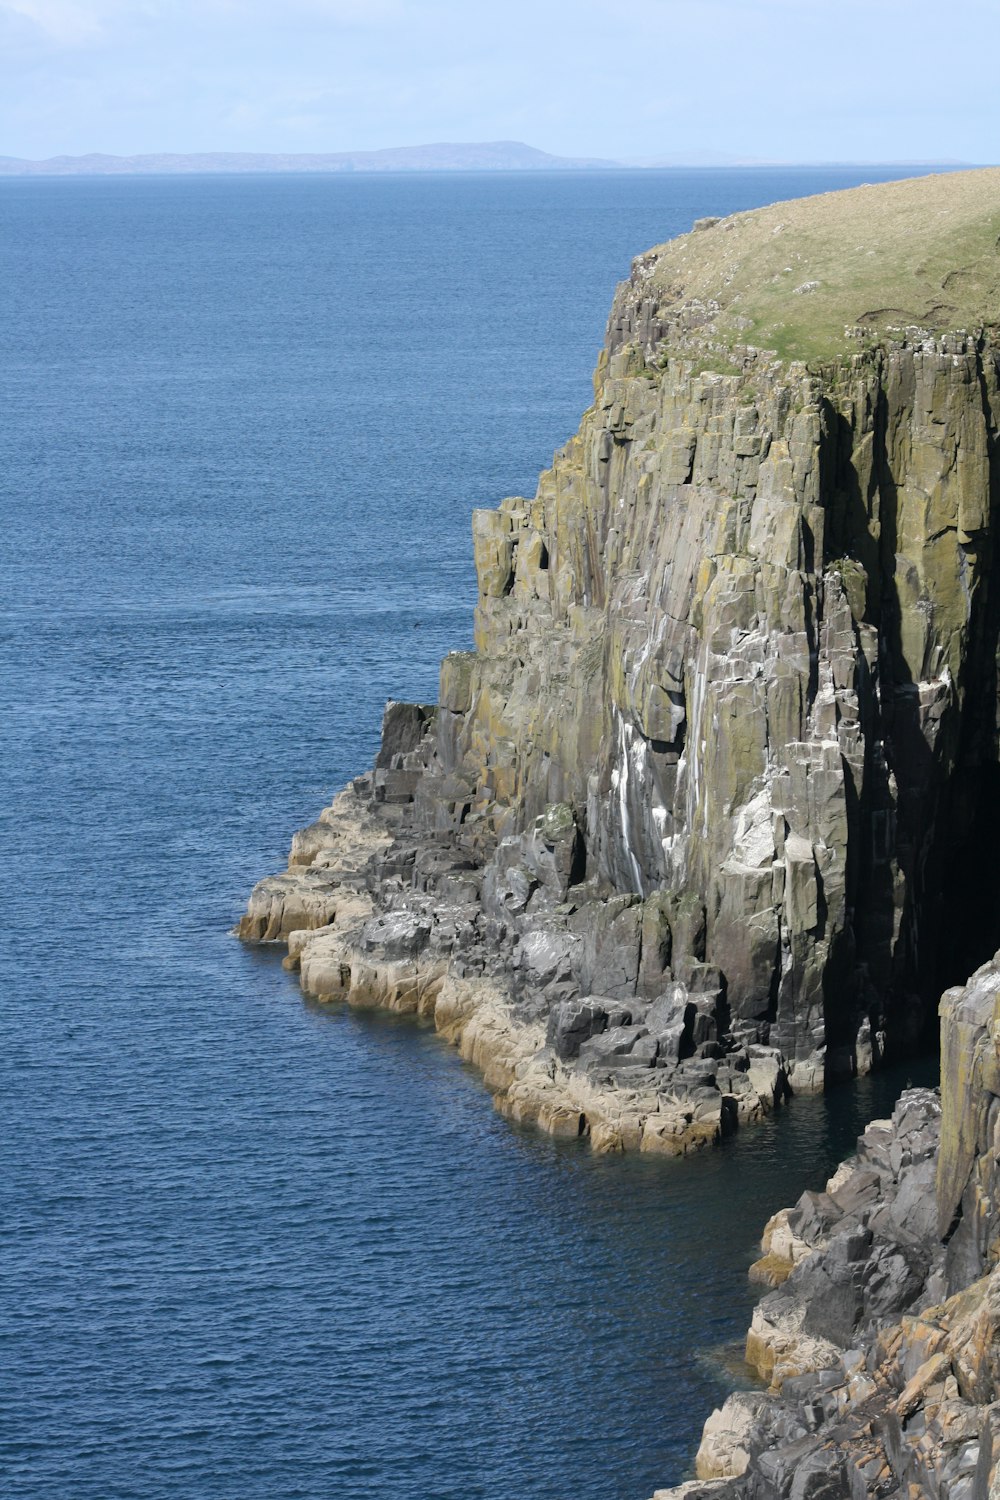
(746, 630)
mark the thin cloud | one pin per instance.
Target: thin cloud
(60, 21)
(78, 23)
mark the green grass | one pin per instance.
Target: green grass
(923, 252)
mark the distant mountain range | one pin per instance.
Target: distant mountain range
(487, 156)
(482, 156)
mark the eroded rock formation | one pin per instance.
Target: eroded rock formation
(881, 1343)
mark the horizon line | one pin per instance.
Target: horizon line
(507, 156)
(472, 171)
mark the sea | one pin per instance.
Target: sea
(252, 1249)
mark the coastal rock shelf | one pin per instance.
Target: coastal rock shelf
(708, 814)
(881, 1342)
(380, 918)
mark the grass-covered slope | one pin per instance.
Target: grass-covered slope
(809, 277)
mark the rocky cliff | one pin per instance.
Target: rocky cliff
(880, 1345)
(708, 813)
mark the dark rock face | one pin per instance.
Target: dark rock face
(572, 1023)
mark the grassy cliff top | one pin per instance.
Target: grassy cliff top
(792, 277)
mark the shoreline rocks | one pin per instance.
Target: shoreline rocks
(644, 1073)
(881, 1345)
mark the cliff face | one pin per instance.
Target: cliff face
(745, 632)
(710, 807)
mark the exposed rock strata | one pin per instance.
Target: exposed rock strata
(881, 1344)
(701, 810)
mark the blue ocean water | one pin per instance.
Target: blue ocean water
(249, 1248)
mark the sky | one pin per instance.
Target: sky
(771, 80)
